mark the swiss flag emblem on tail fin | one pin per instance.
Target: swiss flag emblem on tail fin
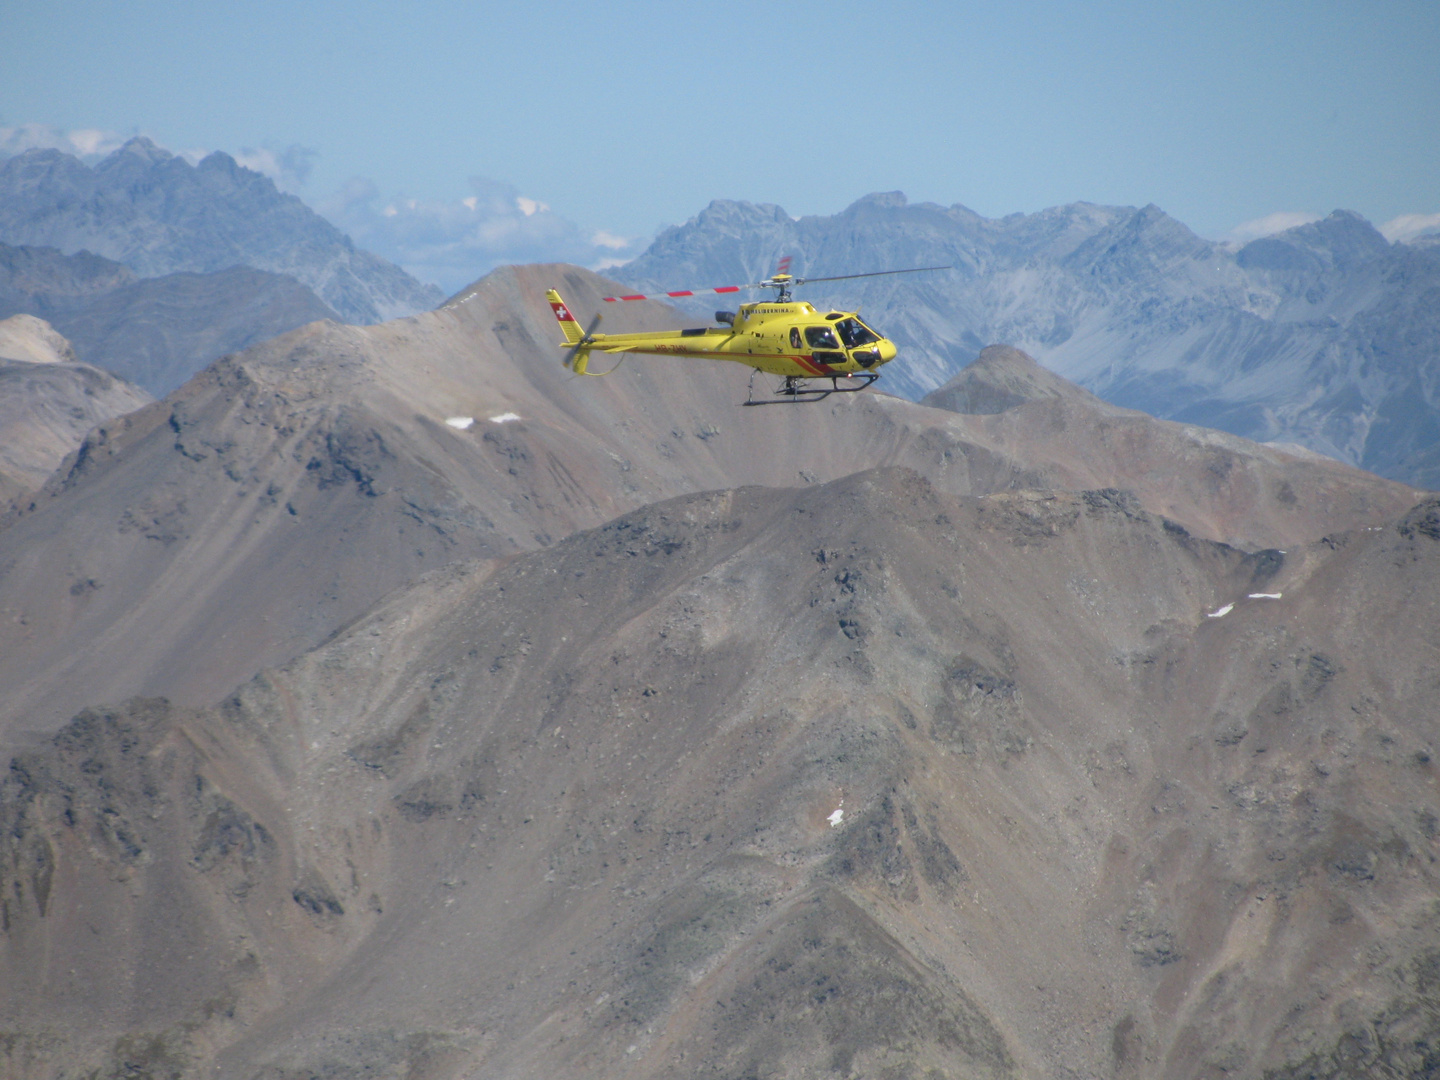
(562, 313)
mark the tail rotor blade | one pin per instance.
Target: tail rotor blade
(587, 338)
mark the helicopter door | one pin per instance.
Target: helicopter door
(822, 337)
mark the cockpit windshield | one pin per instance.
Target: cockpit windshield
(855, 333)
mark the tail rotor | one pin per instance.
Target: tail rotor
(574, 358)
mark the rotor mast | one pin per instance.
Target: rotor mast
(782, 284)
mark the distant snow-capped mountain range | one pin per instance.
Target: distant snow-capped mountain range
(1326, 335)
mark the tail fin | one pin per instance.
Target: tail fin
(568, 326)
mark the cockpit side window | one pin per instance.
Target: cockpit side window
(794, 337)
(855, 333)
(820, 337)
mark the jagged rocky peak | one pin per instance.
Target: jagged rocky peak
(1001, 378)
(1340, 242)
(878, 200)
(737, 210)
(157, 214)
(1141, 247)
(138, 156)
(1333, 248)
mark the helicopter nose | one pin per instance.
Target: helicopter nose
(886, 348)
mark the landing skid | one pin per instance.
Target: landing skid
(796, 391)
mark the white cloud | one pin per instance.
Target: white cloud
(1271, 224)
(88, 144)
(452, 242)
(603, 239)
(288, 166)
(1407, 227)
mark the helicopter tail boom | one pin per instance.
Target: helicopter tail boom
(568, 326)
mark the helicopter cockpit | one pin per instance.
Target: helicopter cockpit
(829, 343)
(854, 333)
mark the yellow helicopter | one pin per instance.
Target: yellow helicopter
(782, 337)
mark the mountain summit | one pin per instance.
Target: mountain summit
(158, 214)
(1000, 378)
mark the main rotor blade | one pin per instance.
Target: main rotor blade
(877, 273)
(681, 292)
(585, 339)
(770, 284)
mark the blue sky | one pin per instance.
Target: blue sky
(610, 120)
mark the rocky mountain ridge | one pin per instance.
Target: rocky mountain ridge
(856, 779)
(525, 724)
(158, 214)
(1324, 335)
(155, 332)
(284, 491)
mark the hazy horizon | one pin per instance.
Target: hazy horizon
(494, 134)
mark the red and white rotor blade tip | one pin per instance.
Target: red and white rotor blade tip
(679, 293)
(783, 268)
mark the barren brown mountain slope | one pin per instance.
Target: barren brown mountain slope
(48, 401)
(285, 490)
(861, 779)
(1219, 485)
